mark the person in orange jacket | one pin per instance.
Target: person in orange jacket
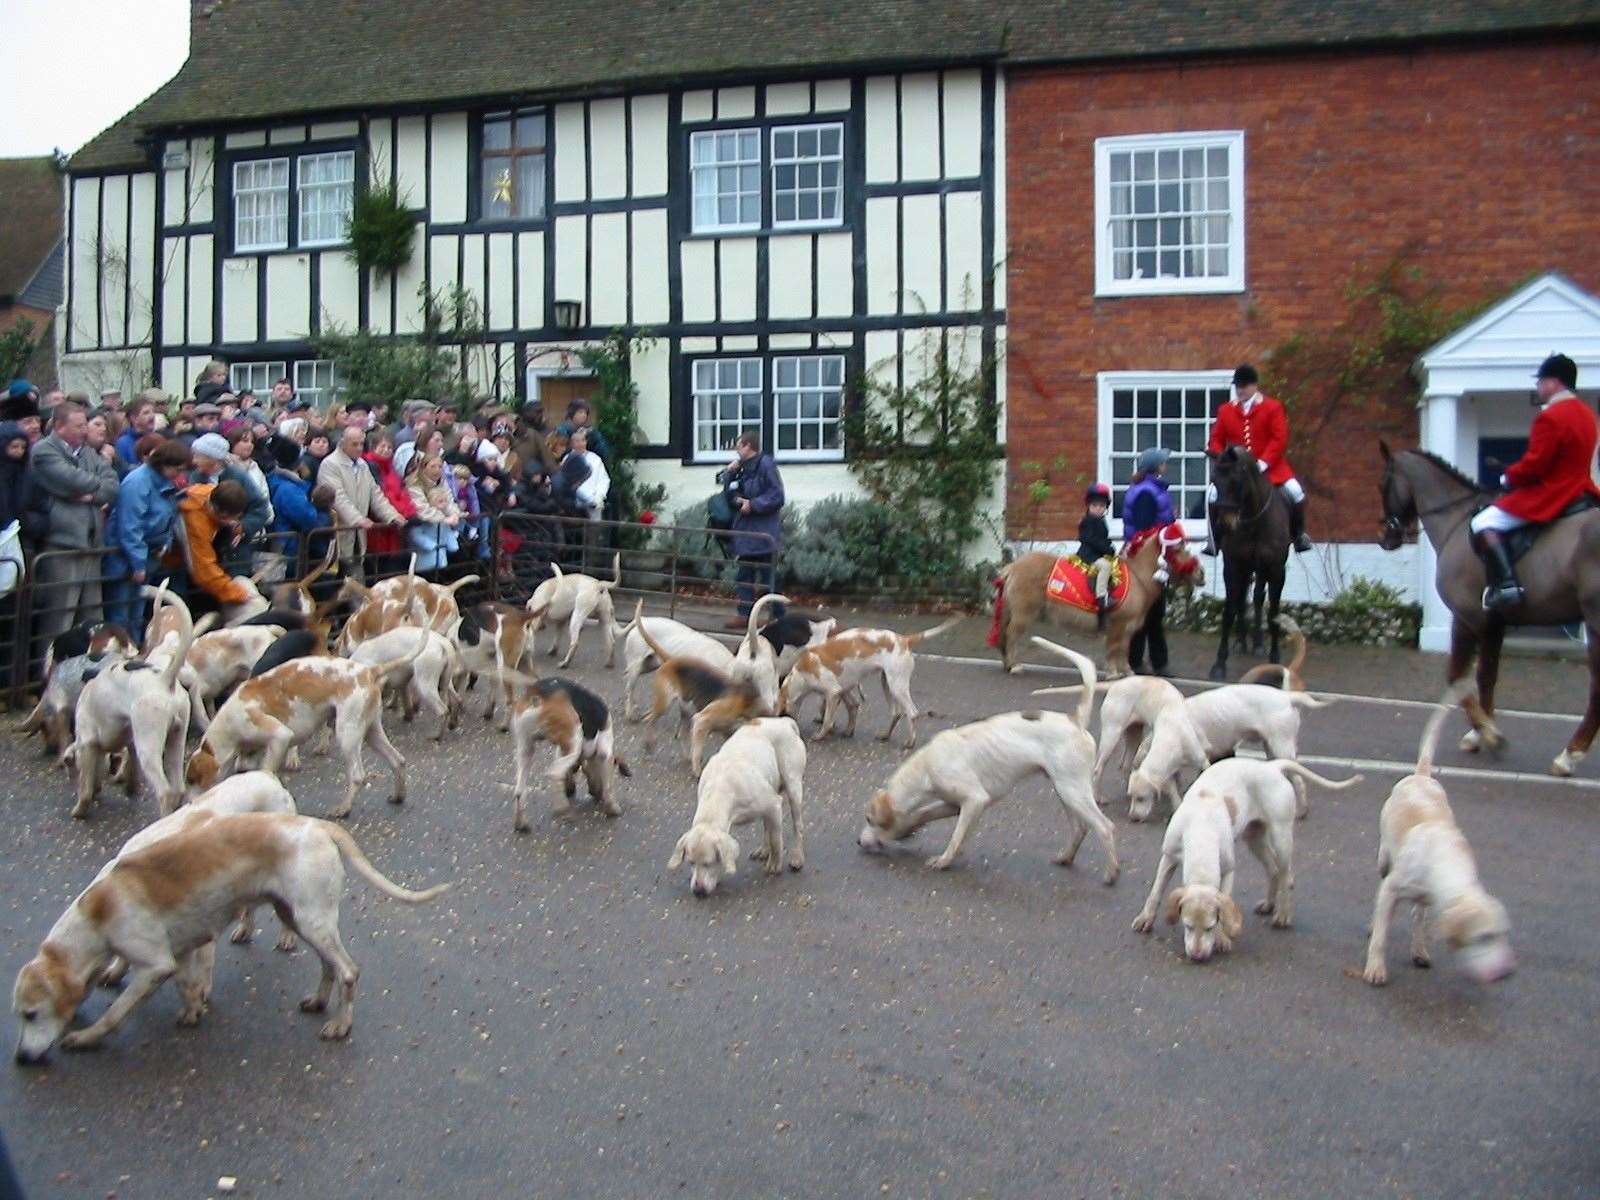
(1554, 473)
(208, 512)
(1256, 421)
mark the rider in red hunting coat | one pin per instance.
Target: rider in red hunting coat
(1257, 422)
(1543, 483)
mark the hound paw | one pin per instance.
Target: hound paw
(337, 1029)
(81, 1039)
(1376, 974)
(1065, 858)
(1421, 961)
(1281, 920)
(759, 854)
(1265, 908)
(1564, 762)
(940, 862)
(286, 943)
(1144, 922)
(797, 862)
(314, 1004)
(190, 1017)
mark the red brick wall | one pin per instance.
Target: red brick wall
(1486, 160)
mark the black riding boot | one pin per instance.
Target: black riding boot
(1210, 548)
(1504, 590)
(1297, 527)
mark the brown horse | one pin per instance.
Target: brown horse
(1020, 598)
(1561, 573)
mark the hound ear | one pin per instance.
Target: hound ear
(728, 852)
(1383, 448)
(1174, 905)
(676, 860)
(1228, 914)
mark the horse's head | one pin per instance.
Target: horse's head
(1399, 503)
(1237, 478)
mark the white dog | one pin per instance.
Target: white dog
(1424, 858)
(572, 599)
(1213, 725)
(758, 771)
(159, 907)
(221, 660)
(427, 680)
(1127, 718)
(1236, 798)
(138, 706)
(963, 771)
(752, 661)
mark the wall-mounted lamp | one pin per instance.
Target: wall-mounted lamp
(569, 314)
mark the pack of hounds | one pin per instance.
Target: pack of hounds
(271, 678)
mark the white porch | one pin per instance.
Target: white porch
(1477, 389)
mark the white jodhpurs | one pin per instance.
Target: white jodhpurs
(1291, 488)
(1496, 519)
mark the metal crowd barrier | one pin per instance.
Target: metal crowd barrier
(683, 566)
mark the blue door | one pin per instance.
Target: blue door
(1495, 454)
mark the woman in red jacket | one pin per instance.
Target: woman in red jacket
(386, 540)
(1544, 482)
(1257, 422)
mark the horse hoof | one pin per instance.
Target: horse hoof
(1218, 673)
(1470, 741)
(1561, 768)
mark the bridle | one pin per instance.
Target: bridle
(1266, 503)
(1393, 524)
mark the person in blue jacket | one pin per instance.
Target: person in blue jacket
(755, 490)
(139, 531)
(292, 508)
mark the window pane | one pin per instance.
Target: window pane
(496, 133)
(530, 185)
(530, 130)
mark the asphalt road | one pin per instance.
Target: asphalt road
(569, 1020)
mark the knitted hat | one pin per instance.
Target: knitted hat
(212, 445)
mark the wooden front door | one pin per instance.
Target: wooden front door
(557, 392)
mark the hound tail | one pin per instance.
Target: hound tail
(352, 854)
(656, 648)
(1430, 732)
(455, 587)
(1085, 666)
(751, 626)
(382, 669)
(913, 639)
(1307, 700)
(169, 677)
(616, 572)
(1289, 767)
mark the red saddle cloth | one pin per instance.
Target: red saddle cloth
(1069, 584)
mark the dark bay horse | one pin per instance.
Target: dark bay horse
(1253, 537)
(1561, 573)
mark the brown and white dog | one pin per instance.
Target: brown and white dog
(493, 639)
(578, 724)
(379, 613)
(288, 705)
(296, 595)
(1287, 676)
(759, 771)
(720, 702)
(837, 668)
(138, 706)
(438, 600)
(426, 680)
(222, 659)
(160, 908)
(572, 599)
(1425, 860)
(746, 661)
(961, 772)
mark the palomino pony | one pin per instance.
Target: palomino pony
(1021, 598)
(1561, 573)
(1253, 536)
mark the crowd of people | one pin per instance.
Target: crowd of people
(216, 485)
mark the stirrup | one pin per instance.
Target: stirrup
(1504, 595)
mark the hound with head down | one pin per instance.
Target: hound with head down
(221, 660)
(277, 711)
(161, 907)
(961, 772)
(747, 661)
(759, 771)
(424, 681)
(578, 724)
(75, 657)
(836, 669)
(572, 599)
(1127, 718)
(138, 706)
(1425, 860)
(1236, 798)
(1211, 726)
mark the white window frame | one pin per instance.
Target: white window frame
(271, 370)
(797, 162)
(239, 193)
(716, 165)
(821, 454)
(301, 187)
(1111, 382)
(1106, 283)
(719, 454)
(317, 397)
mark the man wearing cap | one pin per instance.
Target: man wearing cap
(141, 420)
(1257, 422)
(111, 399)
(1554, 472)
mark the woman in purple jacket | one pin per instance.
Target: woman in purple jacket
(1147, 505)
(755, 490)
